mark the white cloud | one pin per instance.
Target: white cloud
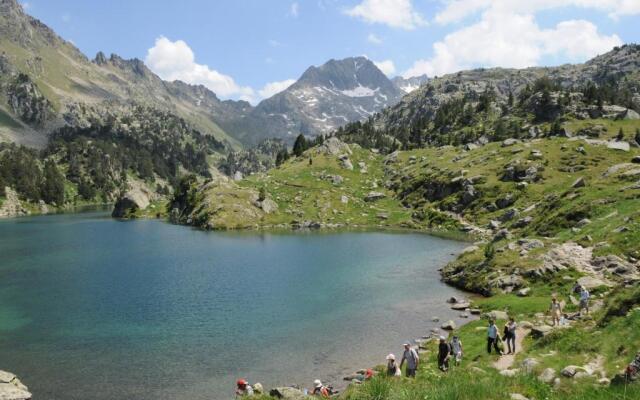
(272, 88)
(394, 13)
(373, 38)
(294, 10)
(508, 35)
(176, 61)
(274, 43)
(457, 10)
(386, 66)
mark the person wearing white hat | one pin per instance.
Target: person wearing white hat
(392, 367)
(444, 353)
(412, 359)
(319, 389)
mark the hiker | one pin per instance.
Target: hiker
(510, 335)
(392, 366)
(319, 389)
(456, 349)
(412, 359)
(577, 288)
(633, 368)
(556, 311)
(361, 377)
(492, 337)
(243, 388)
(584, 300)
(444, 353)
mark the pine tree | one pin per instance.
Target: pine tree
(620, 136)
(53, 185)
(300, 145)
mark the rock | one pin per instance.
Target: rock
(238, 176)
(629, 114)
(493, 225)
(268, 206)
(569, 371)
(509, 215)
(510, 373)
(337, 179)
(470, 249)
(344, 199)
(497, 315)
(580, 182)
(346, 163)
(604, 381)
(526, 325)
(11, 388)
(509, 142)
(505, 201)
(583, 222)
(333, 146)
(517, 396)
(529, 364)
(475, 311)
(547, 376)
(523, 222)
(540, 331)
(452, 300)
(530, 244)
(501, 234)
(132, 201)
(460, 306)
(12, 207)
(287, 393)
(374, 196)
(636, 160)
(591, 282)
(391, 158)
(449, 325)
(622, 146)
(524, 292)
(382, 215)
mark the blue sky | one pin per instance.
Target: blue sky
(252, 48)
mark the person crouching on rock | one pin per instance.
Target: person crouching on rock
(444, 352)
(456, 349)
(392, 366)
(319, 389)
(492, 337)
(412, 359)
(243, 388)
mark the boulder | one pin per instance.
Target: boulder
(524, 292)
(517, 396)
(475, 311)
(470, 249)
(497, 315)
(547, 376)
(540, 331)
(505, 201)
(460, 306)
(346, 163)
(344, 199)
(636, 160)
(374, 196)
(449, 325)
(237, 176)
(591, 282)
(629, 114)
(530, 244)
(529, 364)
(510, 373)
(523, 222)
(129, 203)
(11, 388)
(509, 142)
(622, 146)
(333, 146)
(268, 206)
(570, 371)
(580, 182)
(287, 393)
(509, 215)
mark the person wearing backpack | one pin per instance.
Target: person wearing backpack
(412, 359)
(444, 353)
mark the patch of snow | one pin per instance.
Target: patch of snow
(360, 91)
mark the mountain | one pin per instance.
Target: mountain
(491, 104)
(408, 85)
(324, 98)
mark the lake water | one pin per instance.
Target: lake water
(92, 308)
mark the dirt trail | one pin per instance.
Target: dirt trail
(506, 361)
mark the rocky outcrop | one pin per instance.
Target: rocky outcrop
(28, 102)
(131, 202)
(11, 206)
(11, 388)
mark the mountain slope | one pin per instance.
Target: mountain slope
(326, 97)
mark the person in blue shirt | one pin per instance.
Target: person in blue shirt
(492, 337)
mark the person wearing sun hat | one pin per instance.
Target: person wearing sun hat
(392, 366)
(319, 389)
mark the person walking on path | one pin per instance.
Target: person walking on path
(412, 359)
(510, 335)
(556, 311)
(456, 349)
(392, 366)
(444, 353)
(492, 337)
(584, 300)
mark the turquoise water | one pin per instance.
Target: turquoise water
(92, 308)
